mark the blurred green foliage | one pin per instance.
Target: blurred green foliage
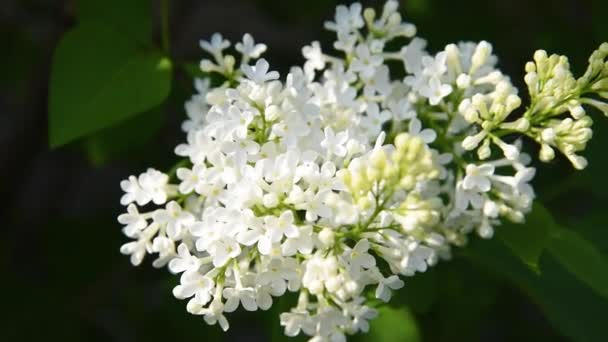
(105, 70)
(111, 87)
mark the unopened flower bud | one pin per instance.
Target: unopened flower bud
(270, 200)
(546, 153)
(530, 67)
(472, 141)
(463, 81)
(548, 135)
(490, 209)
(401, 141)
(372, 173)
(378, 158)
(484, 151)
(369, 14)
(540, 56)
(229, 62)
(513, 102)
(480, 56)
(327, 237)
(485, 230)
(206, 65)
(577, 111)
(579, 162)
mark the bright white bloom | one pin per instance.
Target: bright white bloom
(365, 62)
(434, 66)
(385, 285)
(248, 48)
(435, 91)
(195, 285)
(259, 73)
(149, 186)
(184, 262)
(347, 19)
(175, 219)
(314, 58)
(133, 220)
(478, 177)
(359, 258)
(215, 314)
(334, 143)
(428, 135)
(245, 296)
(216, 45)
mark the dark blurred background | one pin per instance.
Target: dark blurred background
(63, 277)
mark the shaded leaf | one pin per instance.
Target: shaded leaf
(118, 140)
(578, 255)
(593, 227)
(132, 18)
(194, 70)
(465, 299)
(393, 325)
(570, 306)
(581, 258)
(419, 293)
(528, 240)
(99, 78)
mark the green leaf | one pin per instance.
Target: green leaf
(100, 78)
(117, 141)
(194, 70)
(540, 232)
(581, 258)
(132, 18)
(465, 299)
(393, 325)
(420, 292)
(593, 227)
(528, 240)
(570, 306)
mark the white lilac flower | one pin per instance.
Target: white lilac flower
(248, 48)
(428, 135)
(193, 284)
(244, 296)
(215, 314)
(434, 67)
(374, 119)
(413, 53)
(192, 180)
(365, 62)
(347, 19)
(136, 249)
(334, 143)
(359, 258)
(338, 179)
(314, 58)
(174, 219)
(478, 177)
(259, 73)
(276, 274)
(385, 285)
(133, 220)
(434, 90)
(184, 261)
(149, 186)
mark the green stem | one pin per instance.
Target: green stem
(182, 163)
(164, 23)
